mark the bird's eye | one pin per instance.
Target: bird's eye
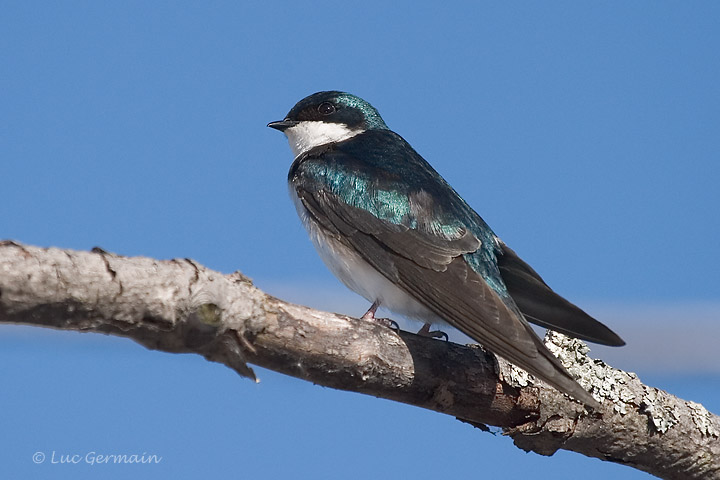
(326, 108)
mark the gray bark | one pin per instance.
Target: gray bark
(180, 306)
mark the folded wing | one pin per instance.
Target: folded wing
(542, 306)
(432, 269)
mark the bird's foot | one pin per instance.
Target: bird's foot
(385, 322)
(425, 332)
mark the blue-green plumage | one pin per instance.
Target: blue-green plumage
(392, 229)
(358, 172)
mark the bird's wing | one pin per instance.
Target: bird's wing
(433, 270)
(542, 306)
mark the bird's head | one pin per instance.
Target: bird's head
(327, 117)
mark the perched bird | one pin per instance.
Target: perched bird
(394, 231)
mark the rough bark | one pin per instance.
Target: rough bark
(180, 306)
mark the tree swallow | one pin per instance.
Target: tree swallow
(394, 231)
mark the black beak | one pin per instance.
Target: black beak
(282, 125)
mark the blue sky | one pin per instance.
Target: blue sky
(585, 134)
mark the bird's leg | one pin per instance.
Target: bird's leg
(370, 315)
(425, 332)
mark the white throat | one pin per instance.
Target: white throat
(307, 135)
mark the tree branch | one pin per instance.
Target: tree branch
(180, 306)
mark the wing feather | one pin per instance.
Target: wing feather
(443, 282)
(542, 306)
